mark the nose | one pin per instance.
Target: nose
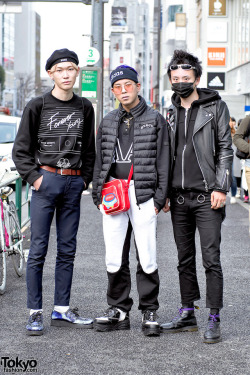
(65, 73)
(123, 88)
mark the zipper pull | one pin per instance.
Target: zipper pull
(206, 185)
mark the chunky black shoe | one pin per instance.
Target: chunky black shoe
(212, 334)
(185, 321)
(113, 319)
(150, 326)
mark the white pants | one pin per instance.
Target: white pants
(144, 221)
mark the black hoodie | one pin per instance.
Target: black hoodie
(186, 172)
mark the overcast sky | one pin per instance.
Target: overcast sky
(62, 26)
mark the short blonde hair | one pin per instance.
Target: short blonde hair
(53, 69)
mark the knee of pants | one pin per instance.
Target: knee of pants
(148, 266)
(113, 264)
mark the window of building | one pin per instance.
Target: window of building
(172, 9)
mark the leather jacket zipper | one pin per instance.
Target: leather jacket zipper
(225, 178)
(204, 180)
(183, 152)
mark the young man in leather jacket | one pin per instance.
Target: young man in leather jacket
(201, 158)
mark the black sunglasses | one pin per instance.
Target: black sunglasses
(182, 66)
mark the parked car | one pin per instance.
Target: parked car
(8, 130)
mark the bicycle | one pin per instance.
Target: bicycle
(11, 239)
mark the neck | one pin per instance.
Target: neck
(187, 102)
(61, 94)
(132, 105)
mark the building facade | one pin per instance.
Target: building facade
(218, 33)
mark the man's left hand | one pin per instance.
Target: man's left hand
(218, 200)
(156, 211)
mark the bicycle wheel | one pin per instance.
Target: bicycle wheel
(16, 237)
(3, 267)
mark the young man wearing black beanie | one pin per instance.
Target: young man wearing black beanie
(55, 151)
(132, 134)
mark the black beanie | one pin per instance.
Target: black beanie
(123, 72)
(61, 55)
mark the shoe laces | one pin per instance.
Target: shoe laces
(212, 320)
(111, 312)
(180, 311)
(150, 315)
(73, 313)
(36, 317)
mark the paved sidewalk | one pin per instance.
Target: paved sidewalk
(62, 351)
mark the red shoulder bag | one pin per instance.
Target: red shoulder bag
(115, 197)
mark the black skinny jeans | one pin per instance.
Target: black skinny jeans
(194, 210)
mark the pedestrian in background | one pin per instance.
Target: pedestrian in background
(241, 141)
(54, 152)
(201, 164)
(236, 167)
(132, 134)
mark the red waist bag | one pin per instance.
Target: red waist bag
(115, 197)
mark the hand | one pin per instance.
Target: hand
(156, 211)
(166, 208)
(218, 200)
(37, 183)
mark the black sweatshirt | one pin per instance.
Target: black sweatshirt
(56, 133)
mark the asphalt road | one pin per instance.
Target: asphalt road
(62, 351)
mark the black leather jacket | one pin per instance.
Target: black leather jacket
(211, 138)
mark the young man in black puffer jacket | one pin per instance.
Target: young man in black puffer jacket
(132, 134)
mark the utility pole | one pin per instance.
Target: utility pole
(97, 31)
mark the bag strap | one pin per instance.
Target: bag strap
(130, 174)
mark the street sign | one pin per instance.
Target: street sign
(93, 56)
(90, 87)
(89, 83)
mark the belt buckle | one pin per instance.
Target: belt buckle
(180, 199)
(61, 172)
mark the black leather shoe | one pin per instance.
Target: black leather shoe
(150, 326)
(185, 321)
(113, 319)
(212, 334)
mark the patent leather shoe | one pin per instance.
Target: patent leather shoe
(184, 321)
(35, 324)
(70, 319)
(212, 334)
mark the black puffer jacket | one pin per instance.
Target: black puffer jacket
(151, 153)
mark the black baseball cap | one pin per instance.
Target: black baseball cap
(61, 55)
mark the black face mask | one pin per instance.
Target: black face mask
(183, 89)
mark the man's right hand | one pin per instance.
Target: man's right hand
(166, 208)
(37, 183)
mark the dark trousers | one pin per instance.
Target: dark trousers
(61, 194)
(119, 283)
(189, 213)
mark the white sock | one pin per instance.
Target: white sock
(61, 309)
(35, 311)
(122, 315)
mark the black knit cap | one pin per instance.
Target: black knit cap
(123, 72)
(61, 55)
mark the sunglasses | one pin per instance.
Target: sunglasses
(128, 86)
(182, 66)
